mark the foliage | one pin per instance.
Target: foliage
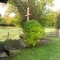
(14, 20)
(50, 18)
(10, 9)
(32, 32)
(37, 8)
(57, 21)
(6, 19)
(2, 20)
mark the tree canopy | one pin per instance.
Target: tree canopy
(57, 21)
(38, 9)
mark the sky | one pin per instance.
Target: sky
(56, 6)
(3, 8)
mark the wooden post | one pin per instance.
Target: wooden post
(28, 14)
(8, 35)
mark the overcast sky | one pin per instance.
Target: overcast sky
(56, 5)
(2, 8)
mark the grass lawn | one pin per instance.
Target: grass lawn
(14, 32)
(49, 29)
(51, 51)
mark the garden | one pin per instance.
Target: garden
(29, 31)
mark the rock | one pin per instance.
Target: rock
(43, 41)
(3, 56)
(23, 44)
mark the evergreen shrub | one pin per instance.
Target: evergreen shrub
(32, 32)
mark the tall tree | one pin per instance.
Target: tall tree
(37, 8)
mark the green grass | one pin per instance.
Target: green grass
(50, 29)
(51, 51)
(14, 32)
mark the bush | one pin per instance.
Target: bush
(2, 21)
(32, 32)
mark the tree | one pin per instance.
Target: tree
(37, 8)
(2, 21)
(57, 22)
(14, 20)
(50, 18)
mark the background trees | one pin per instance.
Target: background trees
(50, 18)
(57, 21)
(38, 9)
(12, 16)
